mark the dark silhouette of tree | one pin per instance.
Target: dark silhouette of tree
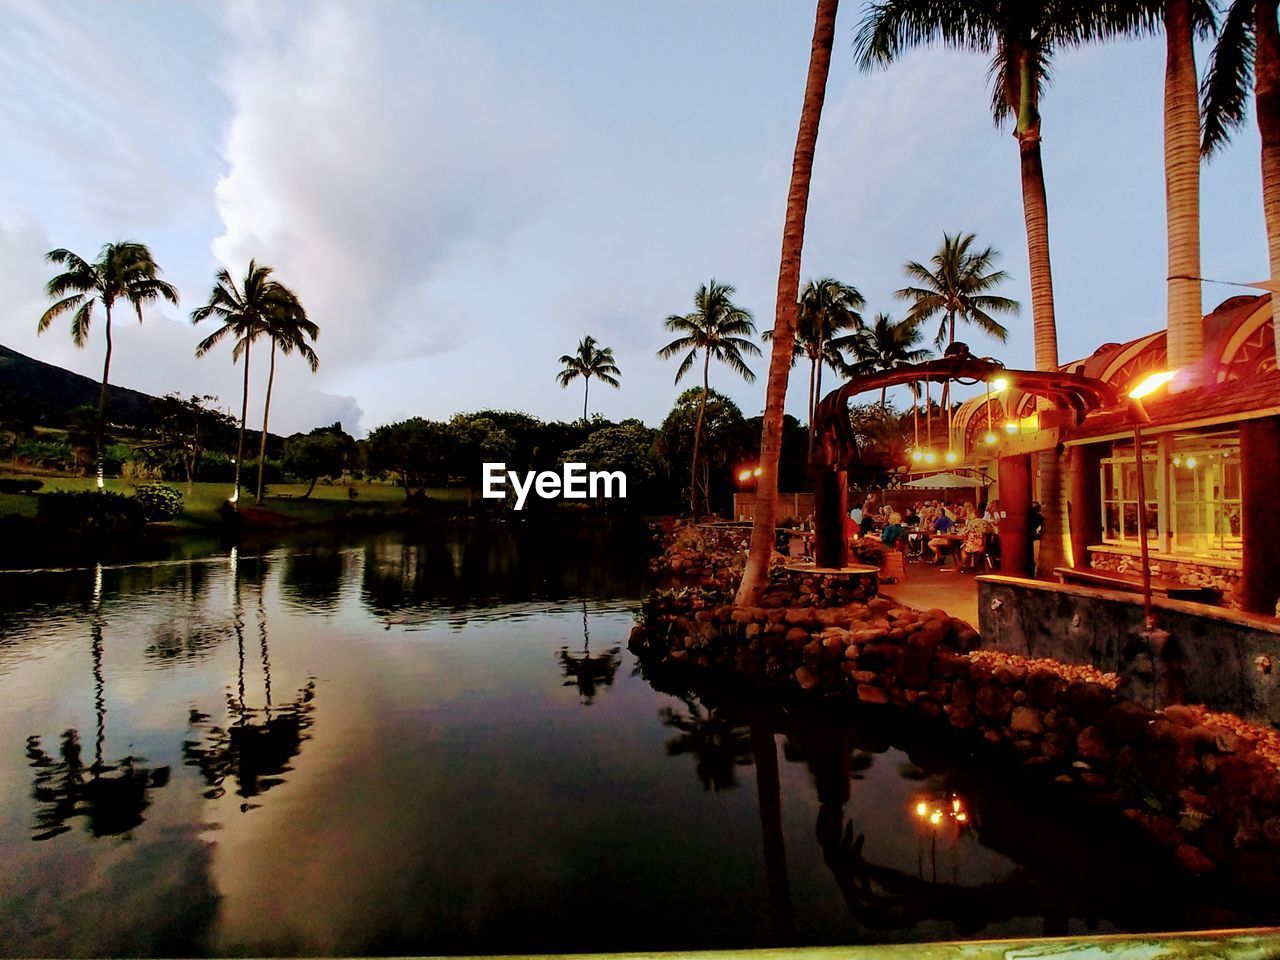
(586, 671)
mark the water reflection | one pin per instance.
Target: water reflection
(718, 742)
(255, 747)
(585, 671)
(112, 797)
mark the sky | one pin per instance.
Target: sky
(460, 191)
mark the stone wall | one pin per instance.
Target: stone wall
(1196, 573)
(1204, 785)
(1217, 657)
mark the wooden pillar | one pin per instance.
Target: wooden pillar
(1259, 518)
(831, 497)
(1084, 501)
(1016, 553)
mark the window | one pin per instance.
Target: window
(1192, 492)
(1204, 484)
(1120, 496)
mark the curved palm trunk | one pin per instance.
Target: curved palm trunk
(756, 575)
(764, 752)
(266, 413)
(697, 436)
(99, 443)
(817, 390)
(1182, 194)
(586, 390)
(244, 415)
(1266, 91)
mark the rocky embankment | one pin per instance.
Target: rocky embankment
(1205, 785)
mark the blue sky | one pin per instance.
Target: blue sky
(459, 191)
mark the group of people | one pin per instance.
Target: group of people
(935, 527)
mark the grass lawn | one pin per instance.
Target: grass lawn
(204, 500)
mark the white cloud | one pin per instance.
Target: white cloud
(364, 154)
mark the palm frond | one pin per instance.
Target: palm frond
(1224, 94)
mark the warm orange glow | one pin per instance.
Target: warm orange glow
(917, 454)
(935, 818)
(922, 809)
(744, 476)
(1151, 383)
(952, 457)
(757, 471)
(989, 439)
(1191, 463)
(1000, 384)
(930, 457)
(1011, 427)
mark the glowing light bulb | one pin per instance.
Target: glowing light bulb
(961, 818)
(757, 471)
(1177, 461)
(951, 456)
(921, 809)
(935, 818)
(744, 476)
(930, 457)
(1151, 383)
(1000, 384)
(1011, 427)
(989, 439)
(1191, 463)
(917, 454)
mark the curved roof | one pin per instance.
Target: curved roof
(1239, 344)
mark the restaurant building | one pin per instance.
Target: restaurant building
(1210, 455)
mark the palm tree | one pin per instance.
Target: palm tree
(756, 574)
(123, 271)
(718, 328)
(827, 308)
(590, 361)
(957, 289)
(1247, 54)
(289, 329)
(246, 312)
(887, 344)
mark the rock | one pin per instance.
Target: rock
(1193, 859)
(1092, 745)
(1027, 721)
(960, 717)
(1182, 715)
(1271, 830)
(797, 636)
(807, 678)
(1159, 828)
(993, 702)
(869, 694)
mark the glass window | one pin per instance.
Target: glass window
(1120, 496)
(1204, 484)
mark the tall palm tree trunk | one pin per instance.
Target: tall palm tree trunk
(244, 415)
(586, 390)
(813, 402)
(697, 436)
(99, 442)
(756, 575)
(817, 389)
(266, 413)
(1182, 194)
(1035, 209)
(1266, 91)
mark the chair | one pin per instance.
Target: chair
(893, 567)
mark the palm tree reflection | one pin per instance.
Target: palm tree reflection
(719, 745)
(587, 672)
(113, 797)
(256, 745)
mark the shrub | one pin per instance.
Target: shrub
(50, 454)
(89, 511)
(159, 501)
(20, 485)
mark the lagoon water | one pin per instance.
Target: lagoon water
(438, 742)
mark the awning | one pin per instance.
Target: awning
(943, 481)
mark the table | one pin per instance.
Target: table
(954, 539)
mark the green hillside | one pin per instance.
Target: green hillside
(43, 394)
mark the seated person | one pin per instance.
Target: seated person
(938, 545)
(912, 517)
(893, 532)
(975, 539)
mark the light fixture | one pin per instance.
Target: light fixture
(990, 438)
(744, 476)
(1151, 383)
(951, 456)
(757, 471)
(930, 457)
(1177, 461)
(1191, 463)
(1011, 427)
(1000, 384)
(917, 454)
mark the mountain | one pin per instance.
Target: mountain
(44, 394)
